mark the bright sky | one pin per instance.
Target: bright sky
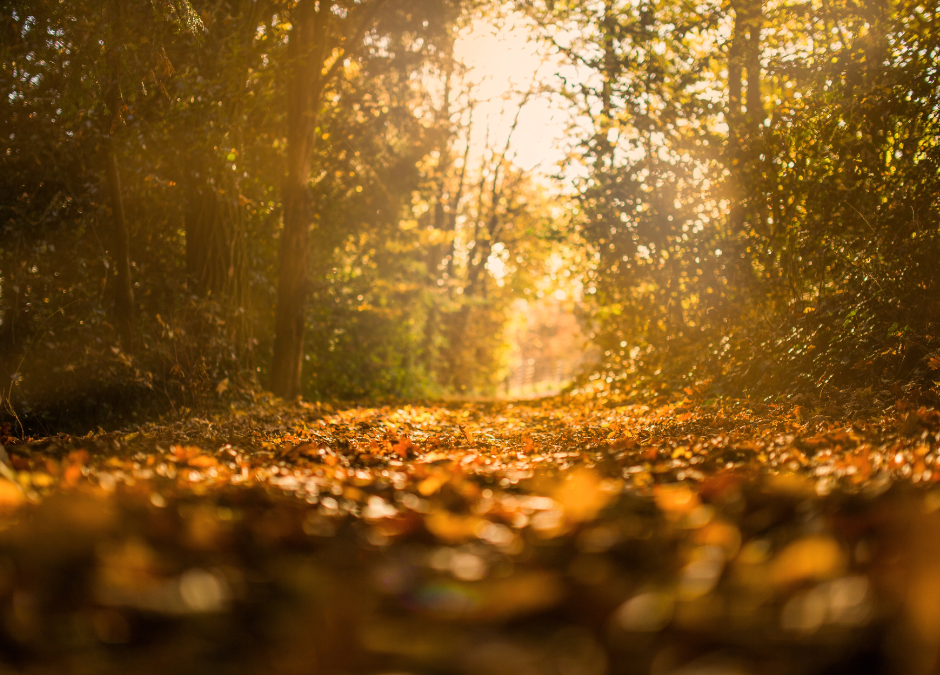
(502, 65)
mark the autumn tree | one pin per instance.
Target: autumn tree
(744, 189)
(81, 82)
(325, 39)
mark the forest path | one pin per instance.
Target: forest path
(556, 536)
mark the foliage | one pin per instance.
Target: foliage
(775, 246)
(755, 204)
(201, 158)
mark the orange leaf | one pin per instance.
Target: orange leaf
(402, 447)
(72, 474)
(467, 434)
(650, 453)
(203, 461)
(675, 499)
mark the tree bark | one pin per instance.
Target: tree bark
(605, 149)
(291, 293)
(755, 102)
(305, 57)
(312, 40)
(124, 288)
(735, 132)
(754, 122)
(744, 118)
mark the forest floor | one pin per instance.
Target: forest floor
(564, 536)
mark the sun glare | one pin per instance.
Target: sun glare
(505, 69)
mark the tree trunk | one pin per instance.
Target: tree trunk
(14, 322)
(311, 42)
(605, 149)
(124, 288)
(736, 57)
(450, 223)
(744, 138)
(754, 123)
(755, 102)
(744, 121)
(439, 215)
(305, 57)
(291, 293)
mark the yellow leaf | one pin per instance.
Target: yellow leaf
(452, 527)
(676, 499)
(11, 495)
(581, 495)
(808, 559)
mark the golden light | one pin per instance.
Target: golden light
(505, 68)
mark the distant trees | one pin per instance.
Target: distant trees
(431, 252)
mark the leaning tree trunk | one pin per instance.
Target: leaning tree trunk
(305, 57)
(123, 289)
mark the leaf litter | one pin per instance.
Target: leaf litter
(571, 535)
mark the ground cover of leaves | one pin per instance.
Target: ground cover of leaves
(566, 536)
